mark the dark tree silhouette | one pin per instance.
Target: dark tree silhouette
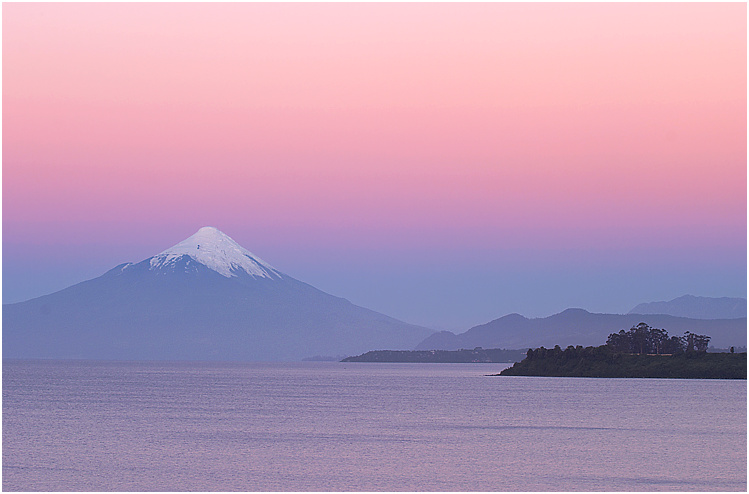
(643, 339)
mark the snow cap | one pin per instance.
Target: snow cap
(219, 252)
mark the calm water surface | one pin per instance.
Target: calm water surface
(360, 427)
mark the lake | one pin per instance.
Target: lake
(328, 426)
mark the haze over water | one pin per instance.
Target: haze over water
(393, 427)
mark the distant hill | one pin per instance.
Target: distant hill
(580, 327)
(696, 307)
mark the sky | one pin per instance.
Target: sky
(445, 164)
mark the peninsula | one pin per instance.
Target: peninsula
(477, 355)
(642, 352)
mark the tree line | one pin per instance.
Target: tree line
(634, 353)
(643, 339)
(602, 361)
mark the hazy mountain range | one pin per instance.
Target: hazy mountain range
(205, 298)
(696, 307)
(580, 327)
(208, 298)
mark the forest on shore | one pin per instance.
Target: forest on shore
(642, 352)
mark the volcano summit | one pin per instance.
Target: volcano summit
(220, 253)
(206, 298)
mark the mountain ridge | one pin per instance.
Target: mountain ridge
(579, 327)
(696, 307)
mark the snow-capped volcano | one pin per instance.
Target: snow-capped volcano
(217, 251)
(206, 298)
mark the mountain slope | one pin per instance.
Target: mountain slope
(204, 299)
(580, 327)
(696, 307)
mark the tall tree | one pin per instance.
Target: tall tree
(644, 339)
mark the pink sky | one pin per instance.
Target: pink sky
(402, 127)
